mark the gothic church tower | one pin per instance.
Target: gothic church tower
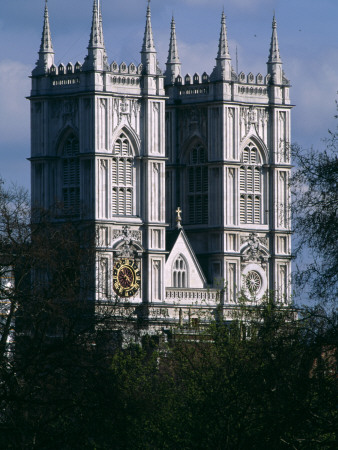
(184, 179)
(98, 155)
(228, 139)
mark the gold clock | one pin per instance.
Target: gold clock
(126, 277)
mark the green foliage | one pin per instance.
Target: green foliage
(267, 380)
(315, 217)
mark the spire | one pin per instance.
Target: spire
(97, 57)
(148, 41)
(223, 61)
(46, 52)
(95, 40)
(105, 57)
(274, 56)
(274, 61)
(173, 52)
(173, 63)
(223, 49)
(148, 52)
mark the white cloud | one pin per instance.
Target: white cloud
(14, 108)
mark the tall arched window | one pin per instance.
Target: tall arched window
(71, 175)
(122, 177)
(251, 180)
(180, 273)
(198, 185)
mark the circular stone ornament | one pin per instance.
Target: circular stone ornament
(253, 282)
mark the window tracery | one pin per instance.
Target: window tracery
(251, 197)
(198, 185)
(180, 273)
(71, 176)
(122, 177)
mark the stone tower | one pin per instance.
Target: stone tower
(184, 179)
(227, 142)
(98, 154)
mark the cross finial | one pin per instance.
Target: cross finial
(178, 217)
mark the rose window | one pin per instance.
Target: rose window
(253, 282)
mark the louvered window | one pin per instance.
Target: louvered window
(71, 176)
(257, 179)
(198, 182)
(242, 209)
(251, 186)
(122, 177)
(257, 209)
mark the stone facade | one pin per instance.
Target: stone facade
(123, 145)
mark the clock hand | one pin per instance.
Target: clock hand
(126, 277)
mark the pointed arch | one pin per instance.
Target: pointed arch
(125, 170)
(259, 144)
(193, 141)
(63, 135)
(180, 271)
(196, 181)
(69, 150)
(252, 184)
(130, 135)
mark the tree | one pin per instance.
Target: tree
(315, 217)
(268, 379)
(264, 381)
(60, 351)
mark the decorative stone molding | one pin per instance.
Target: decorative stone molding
(254, 281)
(127, 243)
(128, 234)
(126, 250)
(253, 250)
(124, 106)
(192, 296)
(252, 113)
(103, 163)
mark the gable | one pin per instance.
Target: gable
(183, 265)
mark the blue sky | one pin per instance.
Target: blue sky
(307, 31)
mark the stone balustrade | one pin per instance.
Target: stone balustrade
(192, 296)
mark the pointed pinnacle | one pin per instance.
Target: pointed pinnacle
(223, 49)
(274, 56)
(46, 40)
(105, 57)
(96, 35)
(173, 51)
(100, 23)
(148, 41)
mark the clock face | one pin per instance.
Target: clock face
(126, 277)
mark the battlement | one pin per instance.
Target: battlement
(124, 69)
(242, 87)
(241, 78)
(115, 68)
(71, 75)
